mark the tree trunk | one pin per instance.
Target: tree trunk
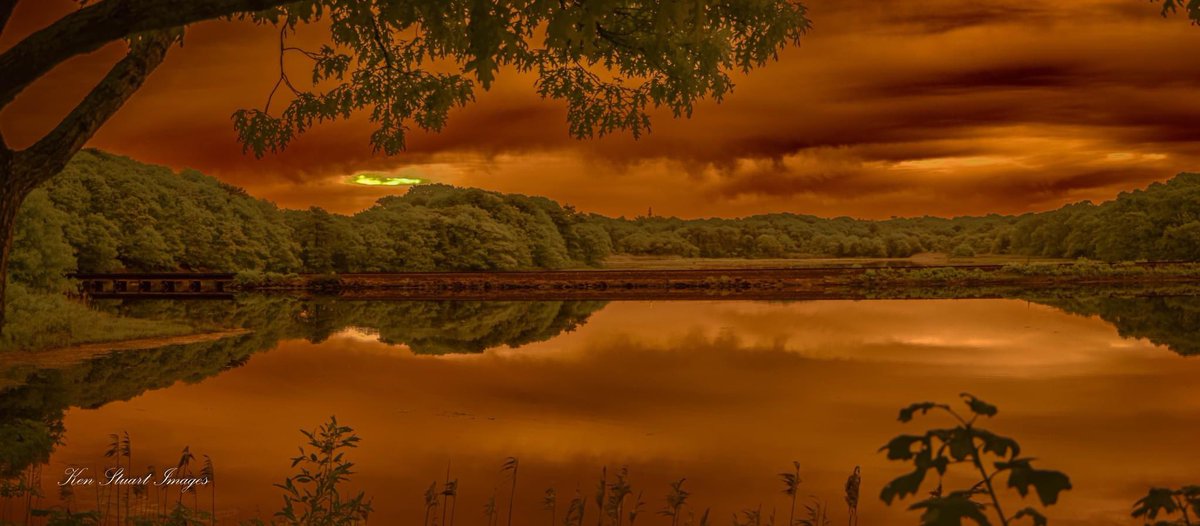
(22, 171)
(8, 219)
(12, 194)
(98, 23)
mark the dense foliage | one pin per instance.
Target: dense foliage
(408, 64)
(106, 213)
(1161, 222)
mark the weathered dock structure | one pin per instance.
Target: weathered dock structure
(156, 284)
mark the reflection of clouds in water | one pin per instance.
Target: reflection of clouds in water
(1011, 337)
(726, 394)
(362, 334)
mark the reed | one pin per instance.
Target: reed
(184, 466)
(748, 517)
(816, 514)
(853, 484)
(575, 511)
(791, 486)
(550, 504)
(676, 500)
(114, 452)
(140, 491)
(638, 503)
(431, 503)
(209, 473)
(449, 494)
(511, 466)
(617, 491)
(601, 490)
(489, 509)
(127, 452)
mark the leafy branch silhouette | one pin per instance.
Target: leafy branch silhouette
(987, 453)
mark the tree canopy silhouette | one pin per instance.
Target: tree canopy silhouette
(406, 63)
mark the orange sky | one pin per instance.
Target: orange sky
(904, 107)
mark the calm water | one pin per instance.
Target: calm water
(726, 394)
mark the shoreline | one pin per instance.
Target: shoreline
(741, 283)
(73, 354)
(825, 282)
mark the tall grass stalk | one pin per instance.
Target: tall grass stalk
(550, 504)
(185, 464)
(449, 491)
(511, 465)
(853, 485)
(676, 500)
(601, 491)
(210, 473)
(791, 486)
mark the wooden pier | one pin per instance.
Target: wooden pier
(156, 284)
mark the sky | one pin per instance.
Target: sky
(887, 108)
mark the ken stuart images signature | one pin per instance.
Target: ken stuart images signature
(75, 476)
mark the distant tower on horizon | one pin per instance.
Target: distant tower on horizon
(650, 212)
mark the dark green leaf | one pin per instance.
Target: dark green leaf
(903, 486)
(900, 448)
(978, 406)
(1048, 484)
(906, 414)
(1033, 514)
(951, 510)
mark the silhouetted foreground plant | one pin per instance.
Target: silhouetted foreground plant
(1166, 501)
(676, 500)
(938, 449)
(815, 514)
(853, 485)
(311, 496)
(791, 485)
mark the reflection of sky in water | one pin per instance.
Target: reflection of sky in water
(726, 394)
(1010, 337)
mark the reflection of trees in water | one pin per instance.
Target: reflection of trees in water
(427, 327)
(446, 327)
(32, 407)
(1170, 321)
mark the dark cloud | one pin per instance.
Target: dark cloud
(898, 107)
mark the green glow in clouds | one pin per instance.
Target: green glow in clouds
(383, 180)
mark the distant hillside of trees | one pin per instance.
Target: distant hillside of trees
(1161, 222)
(107, 213)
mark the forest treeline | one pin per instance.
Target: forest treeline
(107, 213)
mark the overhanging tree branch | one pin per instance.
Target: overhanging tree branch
(48, 156)
(91, 27)
(6, 10)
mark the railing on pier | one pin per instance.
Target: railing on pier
(155, 284)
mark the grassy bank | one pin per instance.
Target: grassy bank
(631, 262)
(685, 281)
(40, 320)
(1081, 272)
